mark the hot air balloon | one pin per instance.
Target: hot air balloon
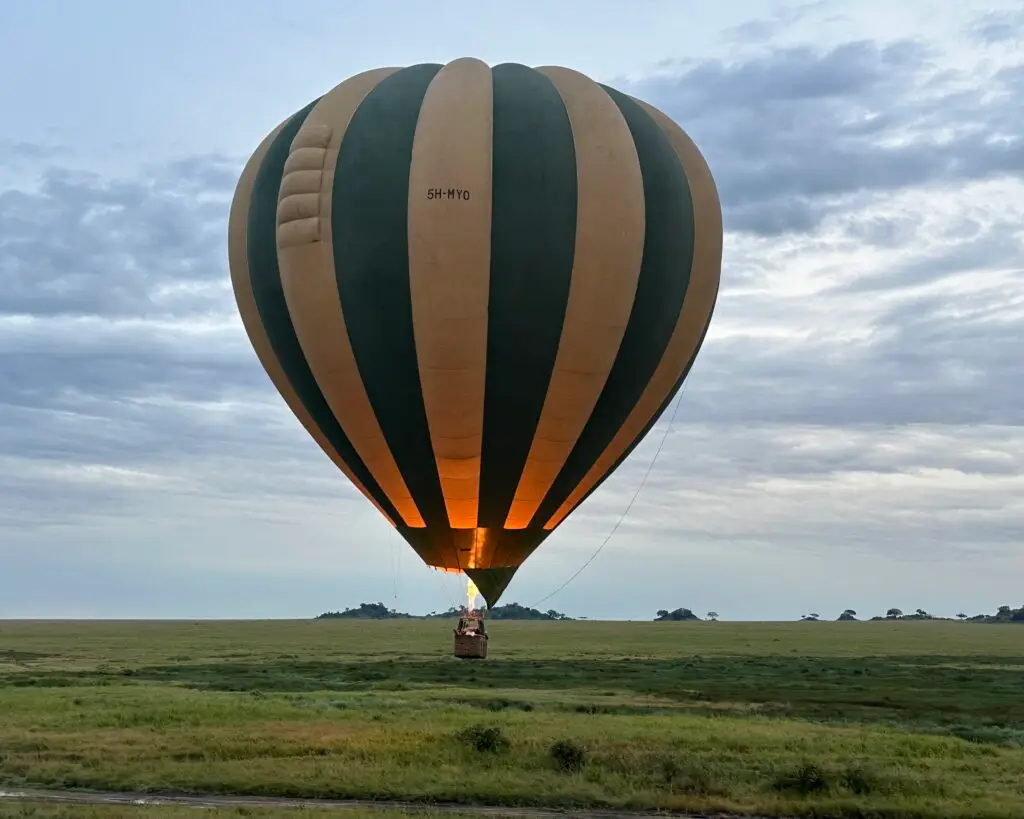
(477, 289)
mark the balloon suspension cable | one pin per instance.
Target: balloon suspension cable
(622, 517)
(396, 556)
(445, 594)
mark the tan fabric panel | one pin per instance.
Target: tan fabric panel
(449, 273)
(306, 258)
(609, 252)
(697, 307)
(238, 263)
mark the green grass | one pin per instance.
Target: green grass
(912, 719)
(44, 811)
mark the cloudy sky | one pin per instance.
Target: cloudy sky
(851, 436)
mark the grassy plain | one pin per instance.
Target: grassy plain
(43, 811)
(910, 719)
(38, 811)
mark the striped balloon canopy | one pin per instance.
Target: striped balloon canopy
(477, 289)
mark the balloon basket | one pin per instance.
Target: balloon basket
(470, 639)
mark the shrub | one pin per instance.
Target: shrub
(484, 739)
(568, 755)
(805, 779)
(860, 781)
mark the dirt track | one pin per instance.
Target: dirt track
(81, 797)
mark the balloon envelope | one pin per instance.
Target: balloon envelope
(477, 288)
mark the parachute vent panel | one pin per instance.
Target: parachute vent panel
(298, 208)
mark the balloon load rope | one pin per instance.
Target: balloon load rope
(625, 512)
(396, 556)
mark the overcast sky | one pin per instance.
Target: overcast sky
(852, 434)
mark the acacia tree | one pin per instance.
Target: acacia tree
(892, 614)
(712, 615)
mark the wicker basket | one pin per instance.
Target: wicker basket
(470, 646)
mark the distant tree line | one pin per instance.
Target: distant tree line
(378, 611)
(366, 611)
(515, 611)
(682, 614)
(1004, 614)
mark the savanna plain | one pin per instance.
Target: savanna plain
(860, 719)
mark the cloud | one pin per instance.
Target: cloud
(118, 311)
(860, 392)
(918, 364)
(78, 245)
(766, 28)
(922, 491)
(998, 27)
(123, 364)
(800, 134)
(14, 151)
(872, 202)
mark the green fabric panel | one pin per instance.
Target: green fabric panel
(369, 222)
(664, 277)
(265, 275)
(533, 244)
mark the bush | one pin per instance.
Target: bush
(692, 779)
(860, 781)
(568, 756)
(484, 739)
(806, 779)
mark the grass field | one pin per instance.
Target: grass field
(909, 719)
(133, 812)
